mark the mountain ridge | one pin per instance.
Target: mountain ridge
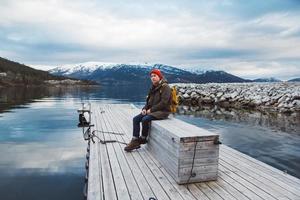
(16, 74)
(294, 80)
(269, 80)
(117, 73)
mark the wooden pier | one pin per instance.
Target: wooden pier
(115, 174)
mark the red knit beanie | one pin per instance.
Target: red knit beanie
(157, 72)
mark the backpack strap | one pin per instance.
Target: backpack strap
(164, 84)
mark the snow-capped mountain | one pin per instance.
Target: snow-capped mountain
(294, 80)
(197, 70)
(87, 67)
(113, 73)
(268, 80)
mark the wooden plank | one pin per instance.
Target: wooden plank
(156, 147)
(279, 178)
(268, 187)
(182, 126)
(138, 177)
(180, 133)
(208, 145)
(208, 191)
(166, 161)
(220, 191)
(165, 136)
(240, 177)
(202, 169)
(109, 189)
(277, 187)
(171, 148)
(264, 167)
(132, 185)
(226, 176)
(95, 187)
(230, 189)
(158, 190)
(120, 185)
(206, 176)
(171, 190)
(246, 183)
(191, 193)
(181, 189)
(185, 162)
(200, 154)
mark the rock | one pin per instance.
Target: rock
(194, 102)
(233, 95)
(193, 94)
(212, 96)
(222, 99)
(280, 105)
(296, 97)
(296, 103)
(226, 96)
(289, 105)
(272, 96)
(281, 99)
(186, 96)
(181, 90)
(207, 100)
(257, 102)
(224, 104)
(219, 94)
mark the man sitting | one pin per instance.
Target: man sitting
(157, 107)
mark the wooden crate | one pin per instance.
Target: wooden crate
(173, 143)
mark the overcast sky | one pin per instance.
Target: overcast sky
(250, 39)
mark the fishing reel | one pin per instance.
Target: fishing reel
(82, 120)
(84, 123)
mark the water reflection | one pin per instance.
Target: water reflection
(289, 123)
(43, 152)
(19, 97)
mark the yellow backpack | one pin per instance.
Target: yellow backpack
(174, 101)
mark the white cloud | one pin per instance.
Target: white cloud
(44, 33)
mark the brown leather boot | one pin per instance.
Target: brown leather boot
(142, 140)
(133, 144)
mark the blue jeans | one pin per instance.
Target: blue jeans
(145, 119)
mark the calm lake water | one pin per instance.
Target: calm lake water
(42, 152)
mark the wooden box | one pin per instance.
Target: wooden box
(177, 144)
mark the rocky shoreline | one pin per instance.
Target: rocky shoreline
(64, 82)
(278, 97)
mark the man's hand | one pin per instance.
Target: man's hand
(148, 111)
(144, 112)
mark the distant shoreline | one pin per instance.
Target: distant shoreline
(55, 83)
